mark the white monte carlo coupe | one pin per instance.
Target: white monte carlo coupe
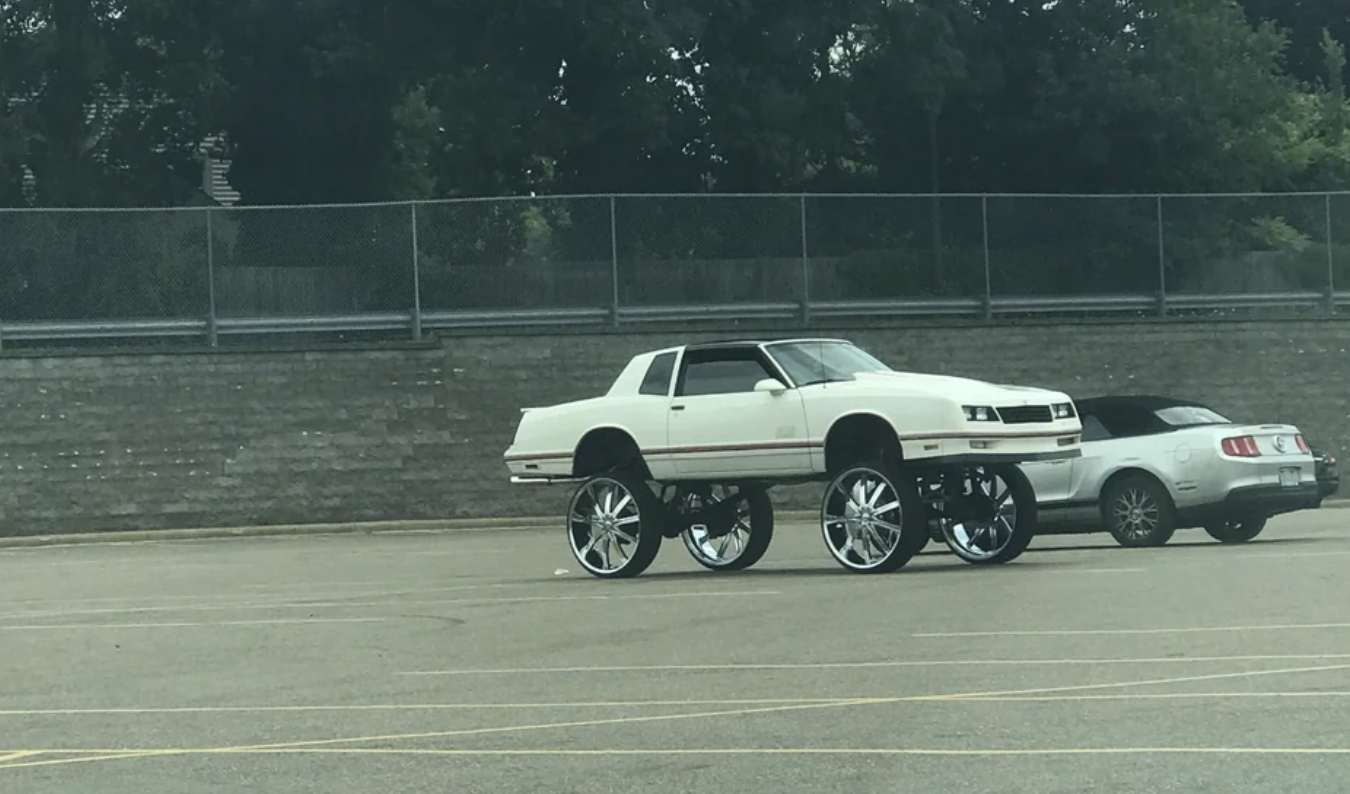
(1152, 465)
(713, 426)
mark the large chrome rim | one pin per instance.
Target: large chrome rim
(862, 519)
(978, 540)
(700, 541)
(603, 524)
(1135, 513)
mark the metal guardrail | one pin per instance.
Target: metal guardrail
(413, 324)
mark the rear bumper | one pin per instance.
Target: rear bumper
(1252, 500)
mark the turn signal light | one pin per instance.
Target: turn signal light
(1241, 447)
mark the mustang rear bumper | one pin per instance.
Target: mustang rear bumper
(1253, 500)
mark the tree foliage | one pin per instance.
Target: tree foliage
(108, 101)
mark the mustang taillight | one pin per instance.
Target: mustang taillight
(1302, 445)
(1241, 447)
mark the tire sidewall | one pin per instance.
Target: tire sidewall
(1226, 534)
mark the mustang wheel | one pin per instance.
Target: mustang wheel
(739, 545)
(1139, 512)
(614, 525)
(1236, 530)
(994, 516)
(873, 518)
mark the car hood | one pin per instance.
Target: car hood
(968, 390)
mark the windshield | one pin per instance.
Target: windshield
(821, 362)
(1188, 415)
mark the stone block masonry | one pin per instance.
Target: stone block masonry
(225, 438)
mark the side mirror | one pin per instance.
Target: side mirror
(771, 385)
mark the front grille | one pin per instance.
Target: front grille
(1024, 414)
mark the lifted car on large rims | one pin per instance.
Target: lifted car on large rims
(688, 441)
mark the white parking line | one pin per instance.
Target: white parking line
(390, 604)
(1102, 632)
(887, 664)
(184, 625)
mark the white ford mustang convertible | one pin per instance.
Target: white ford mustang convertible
(1152, 465)
(714, 426)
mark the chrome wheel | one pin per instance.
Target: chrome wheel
(872, 519)
(1136, 513)
(989, 522)
(613, 525)
(735, 547)
(1139, 512)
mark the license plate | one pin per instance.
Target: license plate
(1289, 478)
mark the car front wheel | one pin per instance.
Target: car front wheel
(1138, 512)
(993, 516)
(873, 519)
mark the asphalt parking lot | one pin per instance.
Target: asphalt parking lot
(486, 662)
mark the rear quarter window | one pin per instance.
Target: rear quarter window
(657, 380)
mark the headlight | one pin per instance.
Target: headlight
(1063, 410)
(980, 413)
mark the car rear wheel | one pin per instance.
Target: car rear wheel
(1236, 530)
(746, 537)
(873, 519)
(614, 525)
(1138, 512)
(995, 516)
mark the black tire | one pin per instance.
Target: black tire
(615, 500)
(1138, 512)
(755, 522)
(1236, 530)
(999, 541)
(903, 511)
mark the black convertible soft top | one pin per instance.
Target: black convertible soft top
(1144, 402)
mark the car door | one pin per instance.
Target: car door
(719, 425)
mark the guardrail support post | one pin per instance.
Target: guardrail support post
(1331, 262)
(806, 264)
(1162, 262)
(417, 278)
(211, 337)
(614, 262)
(988, 271)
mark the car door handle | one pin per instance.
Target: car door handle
(677, 407)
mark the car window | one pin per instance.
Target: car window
(1093, 429)
(657, 380)
(722, 376)
(1190, 416)
(1123, 422)
(816, 362)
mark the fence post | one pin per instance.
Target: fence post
(1162, 262)
(417, 277)
(988, 270)
(1331, 262)
(806, 264)
(211, 337)
(614, 262)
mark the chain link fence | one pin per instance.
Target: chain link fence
(601, 259)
